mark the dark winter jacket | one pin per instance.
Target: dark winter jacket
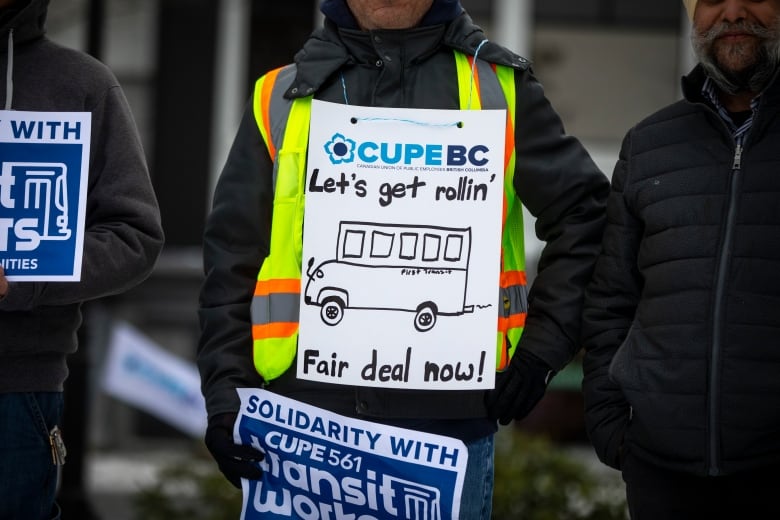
(415, 68)
(682, 318)
(123, 235)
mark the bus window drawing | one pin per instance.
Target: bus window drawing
(419, 269)
(43, 199)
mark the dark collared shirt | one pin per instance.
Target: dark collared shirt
(739, 131)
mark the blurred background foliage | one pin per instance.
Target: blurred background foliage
(538, 479)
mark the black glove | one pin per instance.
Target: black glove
(518, 388)
(234, 460)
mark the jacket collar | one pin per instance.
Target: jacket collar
(693, 82)
(332, 47)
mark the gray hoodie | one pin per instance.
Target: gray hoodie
(123, 235)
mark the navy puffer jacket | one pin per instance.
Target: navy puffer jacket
(682, 318)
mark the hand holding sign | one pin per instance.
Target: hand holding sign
(235, 461)
(519, 388)
(3, 282)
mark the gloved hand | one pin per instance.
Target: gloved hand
(234, 460)
(518, 388)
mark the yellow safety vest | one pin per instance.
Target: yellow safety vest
(284, 125)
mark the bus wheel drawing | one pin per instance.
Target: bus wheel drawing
(332, 310)
(425, 317)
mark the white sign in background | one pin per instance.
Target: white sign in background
(401, 247)
(44, 168)
(142, 373)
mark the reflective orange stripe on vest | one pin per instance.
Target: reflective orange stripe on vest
(513, 277)
(513, 300)
(284, 126)
(269, 300)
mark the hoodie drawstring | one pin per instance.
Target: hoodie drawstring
(9, 72)
(473, 67)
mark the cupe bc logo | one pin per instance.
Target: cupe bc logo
(342, 150)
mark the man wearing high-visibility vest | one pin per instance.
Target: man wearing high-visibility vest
(398, 54)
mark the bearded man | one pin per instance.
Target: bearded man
(682, 315)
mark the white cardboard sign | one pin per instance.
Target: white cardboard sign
(401, 247)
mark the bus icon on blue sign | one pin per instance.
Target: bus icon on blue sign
(36, 194)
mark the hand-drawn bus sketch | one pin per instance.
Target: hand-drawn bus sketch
(411, 268)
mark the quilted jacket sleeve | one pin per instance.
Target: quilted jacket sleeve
(610, 304)
(235, 243)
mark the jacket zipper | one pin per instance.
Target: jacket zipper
(718, 311)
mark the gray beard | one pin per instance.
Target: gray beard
(753, 78)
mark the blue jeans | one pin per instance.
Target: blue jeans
(28, 476)
(476, 502)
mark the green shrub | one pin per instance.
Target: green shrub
(189, 490)
(536, 479)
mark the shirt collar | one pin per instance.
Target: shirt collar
(710, 93)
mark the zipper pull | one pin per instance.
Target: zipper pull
(737, 158)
